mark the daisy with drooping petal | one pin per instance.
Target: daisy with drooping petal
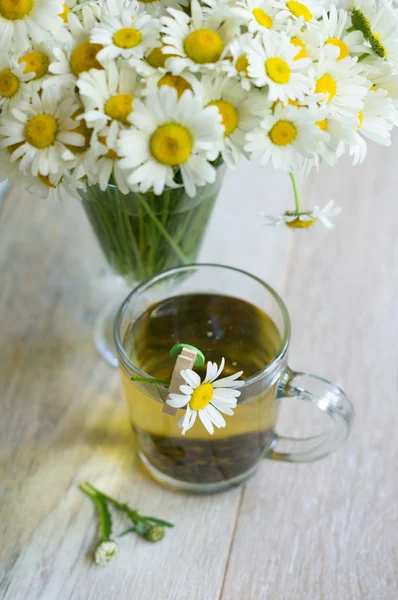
(128, 35)
(53, 186)
(339, 84)
(104, 168)
(340, 128)
(171, 134)
(40, 133)
(236, 107)
(208, 398)
(13, 82)
(285, 137)
(36, 62)
(78, 54)
(257, 15)
(108, 97)
(196, 43)
(24, 21)
(378, 24)
(237, 62)
(181, 83)
(306, 11)
(375, 122)
(304, 220)
(272, 62)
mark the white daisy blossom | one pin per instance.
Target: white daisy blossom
(104, 552)
(129, 35)
(197, 43)
(170, 133)
(36, 62)
(374, 122)
(285, 137)
(272, 62)
(257, 15)
(158, 8)
(379, 25)
(208, 399)
(305, 220)
(28, 20)
(305, 11)
(236, 65)
(236, 108)
(381, 75)
(41, 130)
(108, 96)
(13, 82)
(104, 166)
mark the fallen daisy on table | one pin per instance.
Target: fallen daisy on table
(303, 220)
(208, 399)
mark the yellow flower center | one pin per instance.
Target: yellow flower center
(262, 18)
(242, 63)
(64, 14)
(344, 52)
(360, 119)
(322, 124)
(203, 46)
(229, 115)
(156, 58)
(326, 85)
(303, 52)
(299, 224)
(9, 83)
(171, 144)
(299, 10)
(119, 107)
(45, 179)
(40, 131)
(128, 37)
(35, 62)
(13, 10)
(84, 57)
(278, 70)
(202, 396)
(283, 133)
(111, 153)
(175, 81)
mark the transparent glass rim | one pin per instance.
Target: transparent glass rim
(263, 373)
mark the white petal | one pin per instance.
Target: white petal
(177, 400)
(191, 378)
(206, 421)
(222, 407)
(215, 416)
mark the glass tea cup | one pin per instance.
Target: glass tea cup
(225, 312)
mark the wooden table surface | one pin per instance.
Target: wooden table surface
(321, 531)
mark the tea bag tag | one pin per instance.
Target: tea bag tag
(185, 360)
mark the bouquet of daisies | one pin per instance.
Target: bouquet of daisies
(151, 96)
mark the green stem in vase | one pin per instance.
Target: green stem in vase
(296, 190)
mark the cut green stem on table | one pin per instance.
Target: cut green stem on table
(102, 510)
(296, 190)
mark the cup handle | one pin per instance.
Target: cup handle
(329, 399)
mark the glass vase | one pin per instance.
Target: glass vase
(142, 234)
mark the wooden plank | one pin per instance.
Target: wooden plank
(328, 530)
(63, 420)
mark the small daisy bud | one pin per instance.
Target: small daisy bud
(154, 533)
(104, 552)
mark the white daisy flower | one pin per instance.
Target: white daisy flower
(257, 15)
(341, 133)
(54, 186)
(237, 63)
(13, 82)
(171, 134)
(306, 11)
(332, 30)
(158, 8)
(127, 35)
(381, 75)
(181, 83)
(108, 97)
(379, 26)
(36, 63)
(208, 398)
(79, 54)
(285, 137)
(196, 43)
(104, 166)
(339, 84)
(40, 130)
(272, 62)
(236, 108)
(375, 122)
(304, 220)
(28, 20)
(104, 552)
